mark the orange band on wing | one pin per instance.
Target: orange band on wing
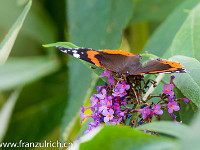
(117, 52)
(171, 63)
(91, 55)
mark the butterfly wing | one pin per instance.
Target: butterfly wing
(160, 66)
(119, 61)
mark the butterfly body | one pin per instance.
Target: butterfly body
(123, 62)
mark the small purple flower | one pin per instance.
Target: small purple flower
(102, 106)
(121, 114)
(85, 116)
(109, 100)
(109, 76)
(168, 89)
(103, 94)
(172, 78)
(173, 106)
(108, 115)
(186, 100)
(145, 112)
(99, 88)
(94, 100)
(117, 107)
(84, 108)
(97, 120)
(111, 79)
(122, 86)
(117, 121)
(156, 109)
(106, 73)
(119, 92)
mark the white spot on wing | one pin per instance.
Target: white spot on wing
(74, 51)
(76, 55)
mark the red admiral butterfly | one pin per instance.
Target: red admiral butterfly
(123, 62)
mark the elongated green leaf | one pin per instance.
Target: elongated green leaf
(186, 41)
(123, 138)
(166, 127)
(98, 24)
(17, 72)
(7, 43)
(78, 88)
(189, 83)
(39, 108)
(6, 112)
(154, 10)
(190, 140)
(61, 44)
(187, 111)
(162, 38)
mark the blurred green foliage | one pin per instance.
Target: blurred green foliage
(41, 89)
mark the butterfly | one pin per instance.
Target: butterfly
(122, 62)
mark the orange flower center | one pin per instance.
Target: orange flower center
(123, 86)
(117, 93)
(172, 106)
(109, 115)
(108, 102)
(167, 90)
(155, 110)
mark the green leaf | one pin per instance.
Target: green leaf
(61, 44)
(79, 85)
(189, 83)
(20, 71)
(187, 111)
(190, 140)
(123, 138)
(6, 112)
(154, 10)
(39, 108)
(9, 40)
(98, 24)
(162, 38)
(186, 41)
(166, 127)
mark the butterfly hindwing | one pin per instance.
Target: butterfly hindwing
(162, 66)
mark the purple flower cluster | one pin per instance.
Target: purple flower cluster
(118, 101)
(106, 104)
(172, 105)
